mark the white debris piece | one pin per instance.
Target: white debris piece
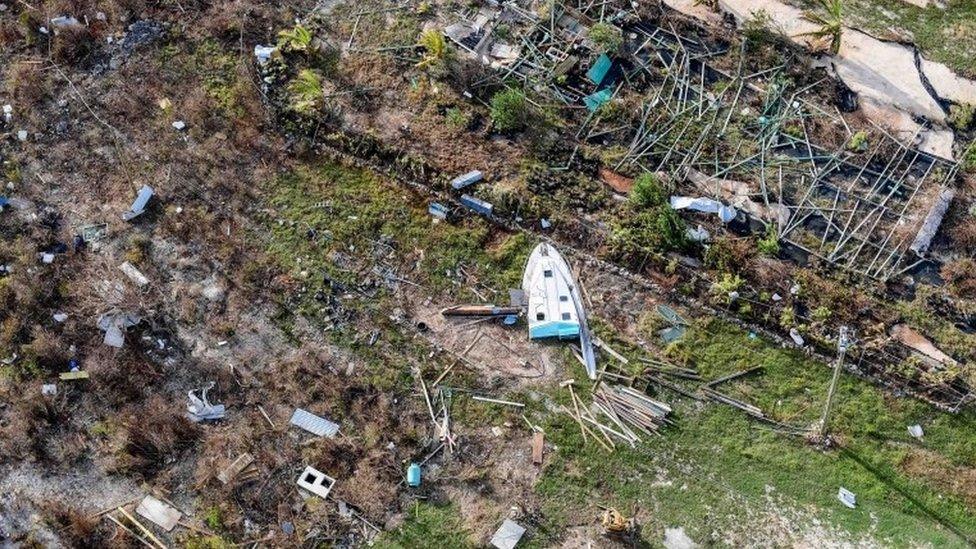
(139, 204)
(49, 389)
(179, 124)
(200, 409)
(797, 338)
(134, 274)
(847, 497)
(47, 258)
(707, 205)
(22, 135)
(60, 317)
(158, 512)
(508, 535)
(114, 326)
(916, 431)
(313, 423)
(64, 21)
(316, 482)
(263, 53)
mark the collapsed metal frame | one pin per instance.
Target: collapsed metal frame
(856, 210)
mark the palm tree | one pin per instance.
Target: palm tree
(435, 47)
(831, 24)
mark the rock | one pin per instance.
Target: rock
(676, 538)
(214, 293)
(947, 84)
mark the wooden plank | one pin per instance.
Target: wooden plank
(236, 467)
(163, 515)
(538, 441)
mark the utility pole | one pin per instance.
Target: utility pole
(844, 341)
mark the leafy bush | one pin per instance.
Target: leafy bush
(606, 37)
(723, 288)
(961, 117)
(435, 48)
(305, 92)
(858, 142)
(509, 110)
(831, 23)
(647, 192)
(297, 39)
(649, 225)
(457, 118)
(769, 244)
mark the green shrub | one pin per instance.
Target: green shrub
(457, 118)
(306, 92)
(858, 142)
(297, 39)
(435, 48)
(606, 37)
(647, 192)
(509, 110)
(968, 159)
(769, 244)
(961, 117)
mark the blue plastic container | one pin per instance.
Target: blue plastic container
(413, 475)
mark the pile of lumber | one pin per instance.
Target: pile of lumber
(634, 413)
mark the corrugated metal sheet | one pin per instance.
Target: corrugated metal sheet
(314, 424)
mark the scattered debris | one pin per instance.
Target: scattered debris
(633, 412)
(165, 516)
(706, 205)
(179, 125)
(139, 205)
(438, 210)
(497, 401)
(508, 535)
(200, 409)
(933, 220)
(480, 310)
(413, 475)
(49, 389)
(314, 424)
(615, 523)
(476, 204)
(263, 53)
(796, 337)
(316, 482)
(241, 469)
(72, 376)
(538, 443)
(916, 431)
(466, 180)
(919, 343)
(114, 326)
(847, 497)
(134, 274)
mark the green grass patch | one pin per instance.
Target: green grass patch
(717, 470)
(428, 525)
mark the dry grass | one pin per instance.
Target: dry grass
(153, 434)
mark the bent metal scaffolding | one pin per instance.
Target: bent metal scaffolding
(744, 138)
(738, 137)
